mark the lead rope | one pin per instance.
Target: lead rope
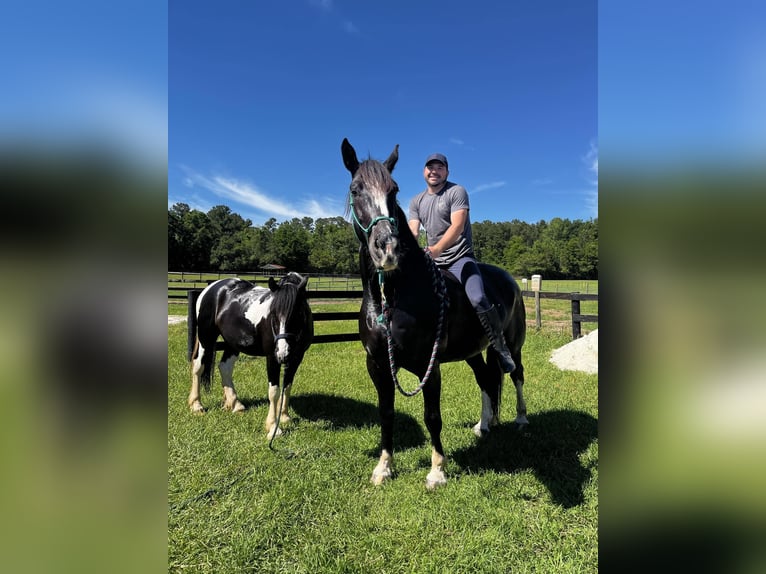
(384, 319)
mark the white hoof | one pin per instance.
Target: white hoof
(196, 407)
(480, 431)
(521, 421)
(271, 434)
(379, 477)
(435, 480)
(234, 406)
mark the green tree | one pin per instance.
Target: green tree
(291, 244)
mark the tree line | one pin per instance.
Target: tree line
(222, 241)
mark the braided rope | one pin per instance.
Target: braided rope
(441, 292)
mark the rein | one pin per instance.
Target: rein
(384, 319)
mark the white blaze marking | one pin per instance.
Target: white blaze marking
(380, 203)
(282, 347)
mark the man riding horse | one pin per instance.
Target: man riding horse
(442, 209)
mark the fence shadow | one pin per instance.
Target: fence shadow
(550, 447)
(342, 413)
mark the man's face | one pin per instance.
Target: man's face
(435, 173)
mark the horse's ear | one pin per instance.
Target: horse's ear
(303, 283)
(349, 156)
(392, 159)
(273, 284)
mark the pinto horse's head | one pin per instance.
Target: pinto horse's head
(372, 204)
(292, 325)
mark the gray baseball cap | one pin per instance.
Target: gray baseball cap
(437, 157)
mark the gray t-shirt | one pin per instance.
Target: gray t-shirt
(434, 211)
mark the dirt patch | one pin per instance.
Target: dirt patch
(175, 319)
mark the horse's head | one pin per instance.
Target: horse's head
(372, 204)
(291, 321)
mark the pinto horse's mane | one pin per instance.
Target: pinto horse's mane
(284, 300)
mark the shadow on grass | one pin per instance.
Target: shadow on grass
(550, 447)
(343, 413)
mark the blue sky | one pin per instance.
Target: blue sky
(261, 94)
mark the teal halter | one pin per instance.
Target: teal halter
(367, 230)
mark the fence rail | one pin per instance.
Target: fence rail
(192, 293)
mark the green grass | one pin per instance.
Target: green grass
(513, 503)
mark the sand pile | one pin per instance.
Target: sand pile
(579, 355)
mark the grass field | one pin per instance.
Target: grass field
(513, 503)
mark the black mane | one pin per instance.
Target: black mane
(286, 297)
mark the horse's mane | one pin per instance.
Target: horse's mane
(285, 298)
(372, 175)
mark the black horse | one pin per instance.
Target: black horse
(412, 317)
(274, 322)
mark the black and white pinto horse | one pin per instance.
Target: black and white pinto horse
(399, 321)
(274, 322)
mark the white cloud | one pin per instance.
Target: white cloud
(591, 195)
(486, 186)
(456, 141)
(350, 28)
(250, 195)
(325, 5)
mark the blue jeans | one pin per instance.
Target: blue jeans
(467, 272)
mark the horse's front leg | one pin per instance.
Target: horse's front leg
(433, 419)
(384, 385)
(287, 384)
(226, 368)
(272, 372)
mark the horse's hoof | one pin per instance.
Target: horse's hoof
(271, 434)
(479, 431)
(284, 419)
(235, 407)
(197, 408)
(379, 478)
(435, 480)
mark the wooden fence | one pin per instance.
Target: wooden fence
(191, 295)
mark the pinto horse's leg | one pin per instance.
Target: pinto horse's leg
(272, 372)
(200, 370)
(384, 384)
(287, 384)
(433, 418)
(489, 377)
(226, 368)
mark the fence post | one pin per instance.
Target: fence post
(537, 285)
(538, 315)
(576, 331)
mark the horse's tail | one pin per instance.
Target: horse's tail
(193, 344)
(191, 324)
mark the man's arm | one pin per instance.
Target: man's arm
(415, 227)
(457, 224)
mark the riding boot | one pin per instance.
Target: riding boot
(490, 320)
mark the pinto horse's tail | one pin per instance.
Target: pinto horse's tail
(192, 343)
